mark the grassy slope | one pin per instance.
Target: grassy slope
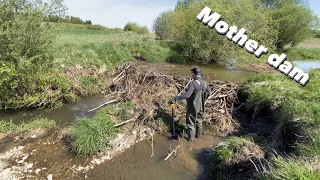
(78, 45)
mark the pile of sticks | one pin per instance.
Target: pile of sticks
(151, 90)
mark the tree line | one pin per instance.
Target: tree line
(277, 24)
(67, 19)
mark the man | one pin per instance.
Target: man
(198, 91)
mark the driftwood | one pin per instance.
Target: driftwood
(109, 102)
(172, 152)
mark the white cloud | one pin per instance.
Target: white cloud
(115, 14)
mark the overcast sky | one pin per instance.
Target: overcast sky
(117, 13)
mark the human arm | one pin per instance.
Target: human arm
(185, 95)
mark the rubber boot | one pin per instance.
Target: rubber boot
(199, 132)
(191, 134)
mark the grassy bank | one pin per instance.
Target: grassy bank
(295, 112)
(40, 123)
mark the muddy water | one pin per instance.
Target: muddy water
(210, 71)
(136, 162)
(68, 113)
(62, 115)
(192, 161)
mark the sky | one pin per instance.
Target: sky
(116, 13)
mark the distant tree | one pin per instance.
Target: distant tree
(162, 25)
(130, 26)
(88, 22)
(293, 20)
(143, 30)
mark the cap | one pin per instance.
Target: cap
(196, 70)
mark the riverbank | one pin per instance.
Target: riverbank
(257, 121)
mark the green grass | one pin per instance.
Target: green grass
(41, 123)
(293, 169)
(296, 110)
(90, 136)
(303, 54)
(230, 153)
(79, 45)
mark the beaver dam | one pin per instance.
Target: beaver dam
(136, 110)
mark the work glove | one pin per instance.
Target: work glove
(173, 100)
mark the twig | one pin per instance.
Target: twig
(109, 102)
(175, 150)
(152, 153)
(254, 165)
(124, 122)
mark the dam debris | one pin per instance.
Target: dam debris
(150, 91)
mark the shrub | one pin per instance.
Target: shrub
(7, 126)
(92, 135)
(130, 26)
(143, 30)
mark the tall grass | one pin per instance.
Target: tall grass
(296, 110)
(90, 136)
(294, 168)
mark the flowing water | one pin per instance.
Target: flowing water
(136, 162)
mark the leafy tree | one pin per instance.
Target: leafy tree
(203, 44)
(162, 25)
(293, 24)
(26, 41)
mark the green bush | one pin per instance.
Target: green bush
(92, 135)
(7, 126)
(143, 30)
(130, 26)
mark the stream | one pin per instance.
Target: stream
(136, 162)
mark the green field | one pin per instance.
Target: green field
(79, 45)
